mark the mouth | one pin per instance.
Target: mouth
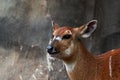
(53, 53)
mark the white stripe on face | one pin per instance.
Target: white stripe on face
(57, 38)
(54, 39)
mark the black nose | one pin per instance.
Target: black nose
(50, 49)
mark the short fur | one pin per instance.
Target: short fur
(81, 64)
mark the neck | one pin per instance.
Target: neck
(81, 64)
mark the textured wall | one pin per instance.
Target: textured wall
(24, 33)
(107, 35)
(23, 21)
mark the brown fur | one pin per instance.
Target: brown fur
(88, 66)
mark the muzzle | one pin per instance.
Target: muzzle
(51, 50)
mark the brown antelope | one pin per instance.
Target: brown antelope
(79, 62)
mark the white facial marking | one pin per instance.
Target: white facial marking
(58, 38)
(68, 50)
(110, 66)
(70, 66)
(50, 41)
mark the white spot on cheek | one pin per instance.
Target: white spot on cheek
(110, 66)
(68, 51)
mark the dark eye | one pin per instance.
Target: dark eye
(67, 36)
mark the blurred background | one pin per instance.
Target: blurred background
(25, 29)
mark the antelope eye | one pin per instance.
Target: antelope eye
(66, 36)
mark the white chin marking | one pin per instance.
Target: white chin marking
(70, 66)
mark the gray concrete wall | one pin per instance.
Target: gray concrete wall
(24, 33)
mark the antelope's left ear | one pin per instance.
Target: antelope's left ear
(88, 29)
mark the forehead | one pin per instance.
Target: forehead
(61, 31)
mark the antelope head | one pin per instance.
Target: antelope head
(64, 41)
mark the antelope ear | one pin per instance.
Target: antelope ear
(88, 29)
(55, 26)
